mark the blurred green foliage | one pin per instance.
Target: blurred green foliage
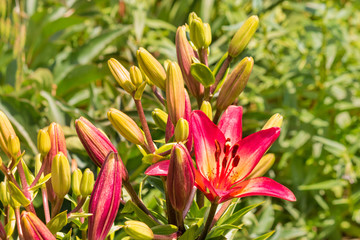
(53, 67)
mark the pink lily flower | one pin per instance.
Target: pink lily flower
(224, 159)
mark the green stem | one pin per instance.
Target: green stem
(220, 212)
(145, 126)
(25, 186)
(45, 204)
(200, 198)
(221, 73)
(180, 222)
(170, 211)
(57, 207)
(217, 116)
(209, 221)
(136, 200)
(18, 223)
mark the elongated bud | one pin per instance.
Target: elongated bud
(200, 33)
(185, 53)
(75, 181)
(58, 144)
(13, 145)
(43, 142)
(4, 194)
(235, 83)
(105, 198)
(87, 183)
(160, 118)
(181, 177)
(121, 75)
(175, 93)
(33, 228)
(136, 76)
(126, 126)
(276, 120)
(181, 130)
(151, 67)
(60, 175)
(207, 109)
(95, 142)
(243, 35)
(263, 166)
(138, 230)
(6, 130)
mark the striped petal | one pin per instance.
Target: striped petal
(205, 132)
(259, 186)
(231, 123)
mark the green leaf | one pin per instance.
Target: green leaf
(219, 230)
(328, 184)
(152, 158)
(57, 222)
(265, 236)
(17, 194)
(73, 216)
(131, 207)
(202, 74)
(68, 235)
(164, 229)
(235, 218)
(41, 182)
(54, 113)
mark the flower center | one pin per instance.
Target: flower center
(226, 160)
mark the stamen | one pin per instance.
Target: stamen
(236, 161)
(226, 149)
(217, 151)
(224, 162)
(234, 150)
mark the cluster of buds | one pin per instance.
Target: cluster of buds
(184, 133)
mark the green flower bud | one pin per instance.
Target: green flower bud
(175, 93)
(242, 36)
(263, 166)
(13, 145)
(235, 83)
(191, 17)
(60, 175)
(160, 118)
(4, 194)
(181, 130)
(43, 142)
(121, 75)
(151, 67)
(126, 126)
(200, 33)
(76, 182)
(136, 76)
(275, 121)
(207, 109)
(87, 183)
(138, 230)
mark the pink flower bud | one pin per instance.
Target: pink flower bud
(33, 228)
(181, 177)
(185, 53)
(58, 144)
(105, 198)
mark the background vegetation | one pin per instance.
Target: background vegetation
(53, 67)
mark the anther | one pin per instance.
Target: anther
(224, 162)
(235, 161)
(217, 150)
(234, 150)
(226, 149)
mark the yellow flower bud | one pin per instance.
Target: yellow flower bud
(126, 126)
(6, 130)
(242, 36)
(121, 75)
(60, 175)
(138, 230)
(275, 121)
(263, 166)
(181, 130)
(151, 67)
(200, 33)
(87, 183)
(76, 181)
(160, 118)
(13, 145)
(136, 76)
(43, 142)
(207, 109)
(235, 83)
(4, 194)
(175, 93)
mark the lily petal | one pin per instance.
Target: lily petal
(158, 169)
(205, 132)
(251, 149)
(231, 123)
(259, 186)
